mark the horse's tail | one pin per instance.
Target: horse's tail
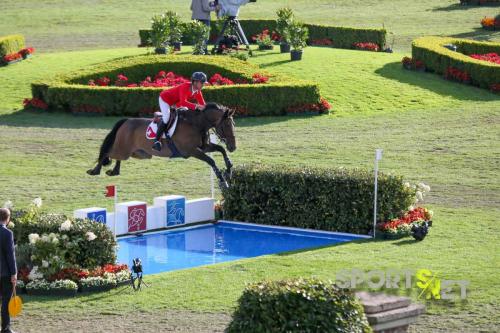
(108, 142)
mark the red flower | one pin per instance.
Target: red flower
(259, 78)
(321, 107)
(103, 81)
(322, 41)
(366, 46)
(121, 80)
(12, 57)
(454, 74)
(26, 51)
(495, 87)
(219, 80)
(73, 274)
(35, 103)
(490, 57)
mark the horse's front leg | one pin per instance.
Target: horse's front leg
(229, 165)
(199, 154)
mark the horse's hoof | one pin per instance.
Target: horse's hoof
(92, 172)
(223, 185)
(111, 173)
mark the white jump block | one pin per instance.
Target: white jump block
(200, 210)
(131, 216)
(173, 210)
(155, 220)
(97, 214)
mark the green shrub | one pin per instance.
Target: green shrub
(71, 91)
(342, 37)
(437, 58)
(59, 247)
(298, 305)
(333, 199)
(11, 44)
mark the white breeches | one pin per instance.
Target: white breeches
(165, 110)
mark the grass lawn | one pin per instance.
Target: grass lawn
(435, 131)
(69, 25)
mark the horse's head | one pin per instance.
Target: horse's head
(222, 119)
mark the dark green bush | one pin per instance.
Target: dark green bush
(11, 44)
(334, 199)
(437, 58)
(71, 92)
(298, 305)
(83, 253)
(342, 37)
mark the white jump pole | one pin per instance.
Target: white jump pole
(378, 157)
(213, 139)
(114, 215)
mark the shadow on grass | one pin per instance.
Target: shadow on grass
(435, 83)
(479, 34)
(56, 120)
(275, 63)
(62, 120)
(459, 6)
(356, 241)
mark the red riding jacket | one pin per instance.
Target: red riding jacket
(181, 95)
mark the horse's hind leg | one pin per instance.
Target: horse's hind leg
(97, 170)
(116, 170)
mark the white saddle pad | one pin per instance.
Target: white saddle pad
(153, 127)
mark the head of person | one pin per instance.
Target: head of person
(198, 79)
(4, 216)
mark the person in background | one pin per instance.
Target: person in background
(8, 268)
(201, 12)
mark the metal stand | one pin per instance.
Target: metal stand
(233, 24)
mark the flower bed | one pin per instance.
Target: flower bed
(236, 87)
(413, 64)
(35, 103)
(265, 40)
(11, 44)
(402, 226)
(458, 65)
(321, 42)
(490, 57)
(17, 56)
(56, 288)
(366, 46)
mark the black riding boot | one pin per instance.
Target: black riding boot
(161, 128)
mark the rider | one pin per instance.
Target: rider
(180, 97)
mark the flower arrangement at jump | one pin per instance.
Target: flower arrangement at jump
(491, 23)
(415, 219)
(17, 56)
(60, 256)
(35, 104)
(321, 42)
(322, 107)
(171, 79)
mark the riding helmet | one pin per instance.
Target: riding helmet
(199, 76)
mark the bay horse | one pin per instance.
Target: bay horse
(128, 139)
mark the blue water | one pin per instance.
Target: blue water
(214, 243)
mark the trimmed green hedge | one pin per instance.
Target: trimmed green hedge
(334, 199)
(11, 44)
(298, 305)
(437, 58)
(72, 93)
(342, 37)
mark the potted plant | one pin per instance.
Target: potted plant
(285, 17)
(174, 25)
(159, 34)
(264, 40)
(298, 38)
(198, 33)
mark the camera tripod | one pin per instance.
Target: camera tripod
(136, 281)
(232, 24)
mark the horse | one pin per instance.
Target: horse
(128, 139)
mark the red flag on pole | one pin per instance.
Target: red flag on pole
(110, 191)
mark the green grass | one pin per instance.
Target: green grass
(435, 131)
(69, 25)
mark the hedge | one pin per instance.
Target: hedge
(342, 37)
(437, 58)
(331, 199)
(298, 305)
(72, 93)
(11, 44)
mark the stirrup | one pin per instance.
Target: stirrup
(157, 146)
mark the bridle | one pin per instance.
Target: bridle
(219, 129)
